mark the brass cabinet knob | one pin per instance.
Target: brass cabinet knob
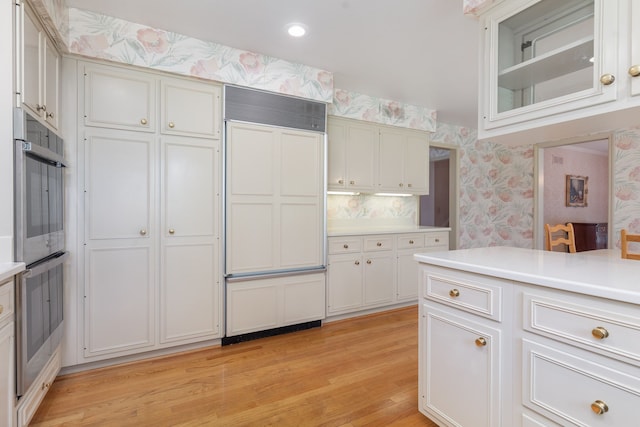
(634, 71)
(379, 244)
(357, 262)
(172, 125)
(50, 115)
(401, 185)
(143, 232)
(454, 293)
(345, 246)
(481, 342)
(143, 121)
(352, 182)
(599, 333)
(41, 107)
(437, 240)
(607, 79)
(411, 242)
(599, 407)
(341, 181)
(368, 261)
(409, 185)
(172, 231)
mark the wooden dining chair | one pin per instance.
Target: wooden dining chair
(568, 237)
(625, 238)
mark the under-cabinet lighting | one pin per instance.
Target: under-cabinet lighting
(393, 194)
(343, 193)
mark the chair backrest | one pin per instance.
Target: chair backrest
(625, 238)
(567, 238)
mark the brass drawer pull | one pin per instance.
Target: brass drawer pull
(481, 342)
(454, 293)
(599, 333)
(378, 244)
(345, 246)
(357, 262)
(599, 407)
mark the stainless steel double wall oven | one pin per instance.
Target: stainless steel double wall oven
(39, 243)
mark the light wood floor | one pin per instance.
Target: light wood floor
(355, 372)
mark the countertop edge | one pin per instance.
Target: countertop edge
(385, 230)
(10, 269)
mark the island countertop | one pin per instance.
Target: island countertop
(9, 269)
(599, 273)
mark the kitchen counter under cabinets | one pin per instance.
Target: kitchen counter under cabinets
(519, 337)
(373, 269)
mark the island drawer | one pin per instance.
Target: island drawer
(410, 241)
(440, 238)
(344, 245)
(378, 243)
(574, 388)
(463, 291)
(612, 329)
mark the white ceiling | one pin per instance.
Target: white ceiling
(422, 52)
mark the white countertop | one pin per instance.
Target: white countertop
(10, 269)
(599, 273)
(383, 230)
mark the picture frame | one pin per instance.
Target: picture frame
(577, 190)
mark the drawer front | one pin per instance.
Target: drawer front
(586, 322)
(564, 388)
(440, 238)
(378, 243)
(6, 301)
(410, 241)
(344, 245)
(464, 293)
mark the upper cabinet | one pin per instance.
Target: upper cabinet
(38, 68)
(371, 158)
(546, 62)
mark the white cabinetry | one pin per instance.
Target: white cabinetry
(548, 63)
(151, 211)
(38, 75)
(372, 158)
(352, 155)
(464, 353)
(403, 161)
(596, 384)
(7, 354)
(370, 271)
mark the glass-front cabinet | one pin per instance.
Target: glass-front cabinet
(543, 57)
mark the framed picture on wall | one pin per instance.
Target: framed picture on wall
(577, 190)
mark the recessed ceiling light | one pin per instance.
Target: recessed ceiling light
(296, 30)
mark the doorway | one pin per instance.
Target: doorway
(585, 160)
(440, 207)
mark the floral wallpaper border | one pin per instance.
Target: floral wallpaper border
(473, 7)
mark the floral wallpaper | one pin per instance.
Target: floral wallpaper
(626, 182)
(472, 7)
(363, 107)
(343, 208)
(99, 36)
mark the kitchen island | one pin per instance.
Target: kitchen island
(521, 337)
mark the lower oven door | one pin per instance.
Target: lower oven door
(39, 320)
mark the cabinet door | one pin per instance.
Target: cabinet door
(379, 278)
(190, 282)
(119, 300)
(119, 190)
(634, 63)
(544, 58)
(416, 164)
(407, 286)
(461, 360)
(190, 108)
(344, 283)
(32, 39)
(51, 84)
(361, 149)
(7, 374)
(391, 163)
(118, 98)
(337, 164)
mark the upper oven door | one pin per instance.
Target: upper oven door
(39, 195)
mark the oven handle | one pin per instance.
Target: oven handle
(43, 154)
(46, 265)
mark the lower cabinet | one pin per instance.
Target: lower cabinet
(261, 304)
(370, 271)
(29, 403)
(7, 354)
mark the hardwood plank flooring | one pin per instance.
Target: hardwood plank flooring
(356, 372)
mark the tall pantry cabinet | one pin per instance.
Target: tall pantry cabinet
(151, 147)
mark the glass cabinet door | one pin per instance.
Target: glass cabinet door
(547, 53)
